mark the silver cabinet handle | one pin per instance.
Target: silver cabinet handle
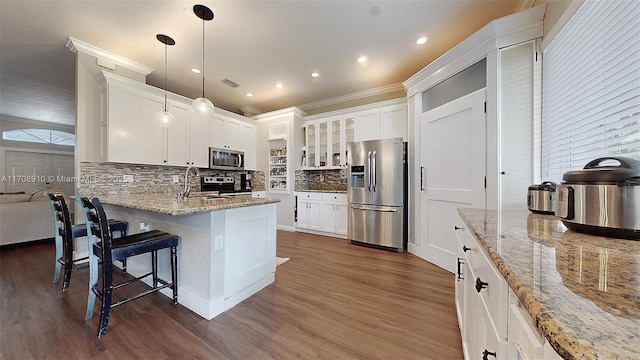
(421, 178)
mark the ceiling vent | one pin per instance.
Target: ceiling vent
(230, 83)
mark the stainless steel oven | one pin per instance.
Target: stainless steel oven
(225, 159)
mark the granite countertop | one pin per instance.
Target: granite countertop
(169, 205)
(323, 191)
(582, 291)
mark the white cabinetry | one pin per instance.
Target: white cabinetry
(259, 194)
(309, 205)
(324, 212)
(227, 133)
(481, 300)
(326, 143)
(327, 134)
(129, 133)
(384, 122)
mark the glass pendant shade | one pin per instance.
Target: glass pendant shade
(164, 118)
(203, 106)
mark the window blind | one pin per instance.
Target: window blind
(591, 88)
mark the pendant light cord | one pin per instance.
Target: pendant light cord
(203, 58)
(165, 77)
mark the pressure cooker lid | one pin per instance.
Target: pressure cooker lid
(605, 169)
(545, 186)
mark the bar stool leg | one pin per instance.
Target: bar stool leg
(68, 264)
(58, 266)
(174, 273)
(93, 285)
(154, 265)
(107, 291)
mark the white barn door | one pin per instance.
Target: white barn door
(452, 160)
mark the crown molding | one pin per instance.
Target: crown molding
(353, 96)
(249, 111)
(349, 111)
(296, 112)
(75, 45)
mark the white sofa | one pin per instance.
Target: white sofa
(25, 217)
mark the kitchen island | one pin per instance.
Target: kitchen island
(227, 249)
(581, 292)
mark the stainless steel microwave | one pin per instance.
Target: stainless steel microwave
(225, 159)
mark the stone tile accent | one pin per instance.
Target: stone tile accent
(105, 178)
(322, 180)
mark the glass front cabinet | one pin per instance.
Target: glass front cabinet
(325, 143)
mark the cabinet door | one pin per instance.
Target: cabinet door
(367, 126)
(178, 135)
(328, 217)
(310, 141)
(249, 145)
(322, 141)
(488, 345)
(234, 135)
(315, 214)
(134, 136)
(341, 218)
(393, 122)
(469, 326)
(198, 140)
(217, 132)
(303, 213)
(336, 157)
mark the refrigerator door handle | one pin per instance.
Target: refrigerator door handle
(421, 178)
(369, 167)
(373, 208)
(373, 169)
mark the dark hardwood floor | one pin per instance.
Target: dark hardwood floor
(332, 300)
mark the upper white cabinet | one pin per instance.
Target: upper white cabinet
(232, 134)
(381, 123)
(327, 134)
(129, 133)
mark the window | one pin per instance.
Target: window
(42, 136)
(591, 88)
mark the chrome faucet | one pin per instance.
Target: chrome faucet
(187, 182)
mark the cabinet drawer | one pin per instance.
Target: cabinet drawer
(493, 290)
(309, 196)
(467, 244)
(334, 197)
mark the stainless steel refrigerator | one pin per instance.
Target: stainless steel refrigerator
(377, 193)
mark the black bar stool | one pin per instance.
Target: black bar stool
(109, 250)
(64, 238)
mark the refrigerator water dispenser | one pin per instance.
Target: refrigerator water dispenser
(357, 177)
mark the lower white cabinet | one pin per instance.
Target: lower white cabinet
(493, 322)
(323, 212)
(481, 296)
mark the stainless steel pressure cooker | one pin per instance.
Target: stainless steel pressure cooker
(541, 198)
(602, 199)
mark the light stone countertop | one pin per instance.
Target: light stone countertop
(582, 291)
(169, 205)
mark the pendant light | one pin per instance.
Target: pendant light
(165, 118)
(202, 106)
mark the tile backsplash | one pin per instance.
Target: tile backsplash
(102, 178)
(329, 180)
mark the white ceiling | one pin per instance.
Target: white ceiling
(253, 43)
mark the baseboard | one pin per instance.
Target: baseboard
(323, 233)
(414, 249)
(286, 228)
(247, 292)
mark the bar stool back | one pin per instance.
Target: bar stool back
(64, 238)
(108, 250)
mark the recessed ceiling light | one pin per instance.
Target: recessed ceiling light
(279, 85)
(362, 59)
(197, 71)
(249, 94)
(314, 74)
(421, 40)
